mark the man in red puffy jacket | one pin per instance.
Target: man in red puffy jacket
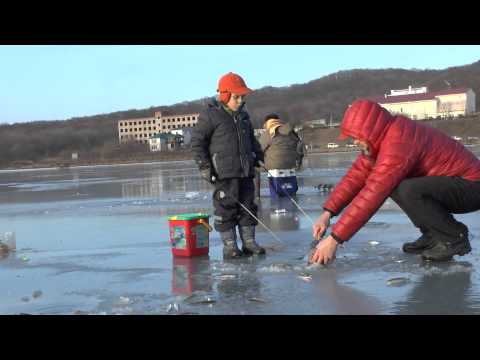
(428, 174)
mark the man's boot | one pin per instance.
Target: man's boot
(424, 242)
(249, 247)
(230, 248)
(446, 248)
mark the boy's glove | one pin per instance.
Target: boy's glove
(259, 163)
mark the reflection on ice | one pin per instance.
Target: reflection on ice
(444, 289)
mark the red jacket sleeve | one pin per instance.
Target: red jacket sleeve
(349, 186)
(394, 162)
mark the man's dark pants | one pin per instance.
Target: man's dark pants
(228, 213)
(430, 201)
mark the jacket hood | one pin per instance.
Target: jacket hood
(213, 102)
(366, 120)
(285, 129)
(217, 104)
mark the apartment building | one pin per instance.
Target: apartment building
(142, 129)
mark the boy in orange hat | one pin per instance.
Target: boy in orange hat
(226, 152)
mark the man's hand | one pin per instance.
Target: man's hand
(324, 252)
(321, 225)
(207, 175)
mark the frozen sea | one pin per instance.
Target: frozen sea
(94, 240)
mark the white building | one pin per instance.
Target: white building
(186, 134)
(418, 103)
(164, 142)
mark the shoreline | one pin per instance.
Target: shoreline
(53, 166)
(92, 165)
(132, 162)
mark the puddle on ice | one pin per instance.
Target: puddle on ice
(398, 281)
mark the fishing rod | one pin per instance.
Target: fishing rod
(315, 242)
(293, 201)
(223, 191)
(251, 214)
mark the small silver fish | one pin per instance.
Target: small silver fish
(305, 276)
(397, 281)
(255, 299)
(207, 300)
(313, 248)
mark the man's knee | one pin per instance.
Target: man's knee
(408, 189)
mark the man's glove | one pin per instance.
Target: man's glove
(207, 175)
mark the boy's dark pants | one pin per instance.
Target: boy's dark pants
(228, 213)
(430, 201)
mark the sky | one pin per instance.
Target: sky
(60, 82)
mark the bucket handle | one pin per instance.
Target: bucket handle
(206, 224)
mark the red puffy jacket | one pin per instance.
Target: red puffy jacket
(400, 148)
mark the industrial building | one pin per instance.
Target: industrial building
(419, 103)
(142, 129)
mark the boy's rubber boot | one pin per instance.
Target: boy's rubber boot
(230, 248)
(249, 246)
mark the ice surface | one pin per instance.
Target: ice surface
(96, 241)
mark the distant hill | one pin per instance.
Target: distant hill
(328, 95)
(321, 98)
